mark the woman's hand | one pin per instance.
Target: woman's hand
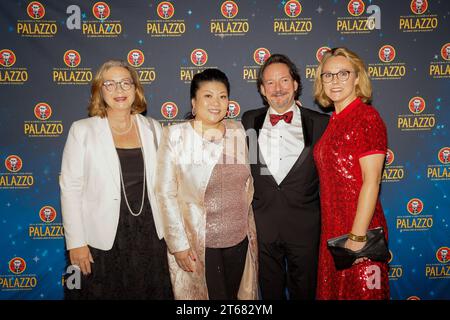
(355, 246)
(186, 260)
(82, 258)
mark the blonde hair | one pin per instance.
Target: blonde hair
(364, 86)
(97, 105)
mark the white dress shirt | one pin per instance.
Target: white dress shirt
(282, 143)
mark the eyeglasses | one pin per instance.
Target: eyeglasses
(343, 75)
(111, 85)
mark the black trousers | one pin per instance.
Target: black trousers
(288, 266)
(224, 268)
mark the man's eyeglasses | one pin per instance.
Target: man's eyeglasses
(343, 75)
(111, 85)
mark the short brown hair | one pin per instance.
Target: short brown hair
(364, 86)
(97, 106)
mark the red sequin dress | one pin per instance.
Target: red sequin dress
(355, 132)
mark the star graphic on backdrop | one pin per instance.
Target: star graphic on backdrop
(319, 9)
(36, 259)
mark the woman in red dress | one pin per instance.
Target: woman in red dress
(349, 158)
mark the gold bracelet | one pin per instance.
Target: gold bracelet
(356, 238)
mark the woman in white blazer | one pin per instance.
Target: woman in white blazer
(113, 228)
(204, 190)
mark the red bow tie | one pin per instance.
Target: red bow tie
(287, 117)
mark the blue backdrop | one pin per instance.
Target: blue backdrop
(49, 51)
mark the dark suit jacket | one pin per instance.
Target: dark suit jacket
(289, 211)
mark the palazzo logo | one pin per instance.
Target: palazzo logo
(7, 58)
(440, 171)
(441, 68)
(136, 59)
(355, 23)
(169, 110)
(395, 270)
(392, 173)
(415, 221)
(356, 7)
(101, 10)
(13, 178)
(416, 120)
(229, 25)
(440, 270)
(198, 58)
(387, 69)
(72, 58)
(418, 21)
(17, 265)
(165, 26)
(250, 72)
(165, 10)
(310, 69)
(17, 280)
(8, 73)
(47, 228)
(229, 9)
(292, 23)
(35, 10)
(36, 27)
(72, 73)
(43, 127)
(234, 109)
(102, 27)
(13, 163)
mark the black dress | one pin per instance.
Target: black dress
(136, 267)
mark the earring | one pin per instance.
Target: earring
(193, 112)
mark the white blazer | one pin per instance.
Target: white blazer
(90, 181)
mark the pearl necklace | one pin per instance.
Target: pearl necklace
(123, 132)
(143, 184)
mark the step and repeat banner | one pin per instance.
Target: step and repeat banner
(50, 50)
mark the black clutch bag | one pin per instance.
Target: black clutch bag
(376, 249)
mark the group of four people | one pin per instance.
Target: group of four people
(214, 209)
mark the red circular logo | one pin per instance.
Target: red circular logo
(386, 53)
(416, 105)
(321, 52)
(165, 10)
(47, 214)
(13, 163)
(199, 57)
(419, 6)
(414, 206)
(292, 8)
(7, 58)
(135, 58)
(356, 7)
(17, 265)
(42, 111)
(444, 155)
(101, 10)
(35, 10)
(445, 51)
(413, 298)
(389, 157)
(260, 55)
(443, 254)
(234, 109)
(72, 58)
(169, 110)
(229, 9)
